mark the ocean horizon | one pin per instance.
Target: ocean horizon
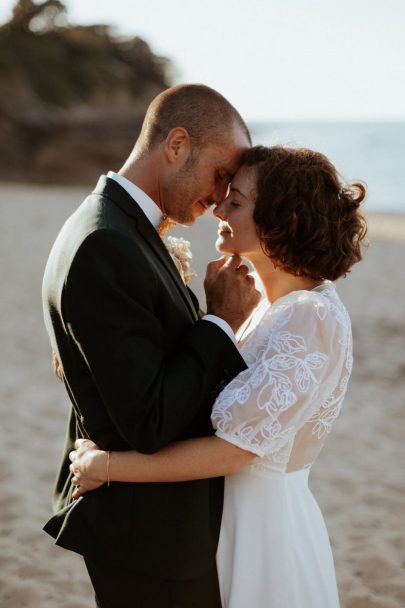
(372, 152)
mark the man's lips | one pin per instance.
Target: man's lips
(205, 206)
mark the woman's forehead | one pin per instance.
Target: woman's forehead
(244, 181)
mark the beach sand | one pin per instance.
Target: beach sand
(358, 479)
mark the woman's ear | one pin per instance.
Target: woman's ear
(178, 145)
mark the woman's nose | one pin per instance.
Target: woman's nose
(219, 211)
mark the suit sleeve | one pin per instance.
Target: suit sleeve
(111, 305)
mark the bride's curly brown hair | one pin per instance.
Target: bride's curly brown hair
(309, 223)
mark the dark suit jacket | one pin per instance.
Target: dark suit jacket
(141, 371)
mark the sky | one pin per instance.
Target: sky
(291, 60)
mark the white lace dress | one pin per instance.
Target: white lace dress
(274, 550)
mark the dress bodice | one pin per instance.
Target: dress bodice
(299, 356)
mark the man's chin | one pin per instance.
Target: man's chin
(187, 222)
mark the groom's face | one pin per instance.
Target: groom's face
(204, 178)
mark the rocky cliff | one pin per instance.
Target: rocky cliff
(72, 98)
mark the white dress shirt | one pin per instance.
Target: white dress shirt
(155, 216)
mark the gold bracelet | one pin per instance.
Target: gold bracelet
(108, 467)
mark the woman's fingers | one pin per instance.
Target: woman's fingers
(74, 469)
(75, 481)
(57, 368)
(76, 474)
(72, 455)
(79, 491)
(85, 444)
(87, 467)
(81, 447)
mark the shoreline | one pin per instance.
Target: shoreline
(382, 225)
(386, 226)
(357, 480)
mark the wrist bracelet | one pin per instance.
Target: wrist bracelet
(108, 467)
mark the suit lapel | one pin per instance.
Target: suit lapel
(151, 237)
(112, 190)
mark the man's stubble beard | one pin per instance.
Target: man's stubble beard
(184, 187)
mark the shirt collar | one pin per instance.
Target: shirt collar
(148, 206)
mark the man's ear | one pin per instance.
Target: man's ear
(178, 145)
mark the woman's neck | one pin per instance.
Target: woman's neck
(278, 283)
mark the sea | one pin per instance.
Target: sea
(373, 153)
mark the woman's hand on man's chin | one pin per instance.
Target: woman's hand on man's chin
(89, 467)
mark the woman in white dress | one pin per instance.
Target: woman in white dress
(290, 216)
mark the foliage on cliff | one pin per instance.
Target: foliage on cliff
(72, 98)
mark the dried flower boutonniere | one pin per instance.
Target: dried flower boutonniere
(179, 248)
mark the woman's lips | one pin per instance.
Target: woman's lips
(224, 229)
(222, 232)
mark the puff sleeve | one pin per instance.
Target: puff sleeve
(300, 350)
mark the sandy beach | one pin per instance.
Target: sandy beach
(358, 480)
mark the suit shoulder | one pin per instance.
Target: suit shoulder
(108, 245)
(100, 212)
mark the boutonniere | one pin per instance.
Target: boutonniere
(179, 248)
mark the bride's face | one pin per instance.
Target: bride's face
(237, 230)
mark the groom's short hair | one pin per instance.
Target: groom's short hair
(203, 112)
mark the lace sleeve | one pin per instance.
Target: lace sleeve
(300, 349)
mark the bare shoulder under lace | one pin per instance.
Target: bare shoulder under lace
(299, 359)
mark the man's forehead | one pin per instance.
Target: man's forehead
(234, 141)
(227, 156)
(234, 146)
(232, 160)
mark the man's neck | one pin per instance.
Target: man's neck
(145, 175)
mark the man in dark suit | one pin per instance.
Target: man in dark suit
(140, 367)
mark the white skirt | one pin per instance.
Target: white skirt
(274, 549)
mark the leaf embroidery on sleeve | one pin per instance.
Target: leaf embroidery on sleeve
(303, 375)
(297, 374)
